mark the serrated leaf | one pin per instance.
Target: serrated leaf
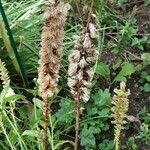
(66, 112)
(102, 97)
(87, 136)
(104, 112)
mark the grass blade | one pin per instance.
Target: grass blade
(10, 46)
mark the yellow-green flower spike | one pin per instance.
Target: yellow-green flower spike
(4, 74)
(120, 107)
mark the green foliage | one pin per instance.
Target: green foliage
(145, 127)
(139, 43)
(127, 70)
(126, 32)
(131, 143)
(146, 2)
(87, 136)
(145, 133)
(106, 145)
(103, 70)
(95, 123)
(144, 115)
(121, 3)
(65, 114)
(145, 81)
(126, 52)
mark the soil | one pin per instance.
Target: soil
(138, 100)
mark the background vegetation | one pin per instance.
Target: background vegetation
(123, 46)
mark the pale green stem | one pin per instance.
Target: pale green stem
(15, 130)
(14, 121)
(5, 133)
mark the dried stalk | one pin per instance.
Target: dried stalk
(50, 54)
(81, 59)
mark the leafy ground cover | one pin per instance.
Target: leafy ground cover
(123, 46)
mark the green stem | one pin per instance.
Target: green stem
(5, 133)
(5, 114)
(100, 50)
(15, 124)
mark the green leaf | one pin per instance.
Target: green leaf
(106, 145)
(147, 87)
(102, 97)
(66, 112)
(3, 94)
(148, 78)
(103, 70)
(14, 98)
(13, 137)
(104, 112)
(121, 3)
(29, 133)
(146, 2)
(126, 70)
(87, 136)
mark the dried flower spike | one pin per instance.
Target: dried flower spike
(120, 107)
(50, 54)
(82, 57)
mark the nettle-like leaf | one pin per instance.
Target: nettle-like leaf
(102, 97)
(87, 136)
(106, 145)
(66, 112)
(127, 70)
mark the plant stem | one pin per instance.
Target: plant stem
(89, 14)
(77, 101)
(35, 117)
(46, 110)
(52, 133)
(15, 124)
(15, 130)
(4, 131)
